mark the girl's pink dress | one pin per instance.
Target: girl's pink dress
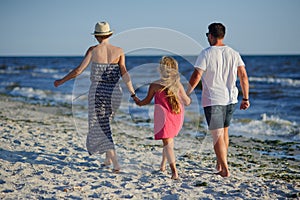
(166, 123)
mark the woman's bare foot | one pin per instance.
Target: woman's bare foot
(111, 157)
(104, 165)
(117, 167)
(108, 158)
(116, 171)
(107, 163)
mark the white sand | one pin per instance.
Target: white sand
(42, 155)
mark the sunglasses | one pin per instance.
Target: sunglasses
(207, 34)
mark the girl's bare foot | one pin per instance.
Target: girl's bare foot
(224, 173)
(174, 171)
(162, 167)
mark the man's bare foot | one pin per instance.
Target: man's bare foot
(224, 174)
(175, 176)
(218, 167)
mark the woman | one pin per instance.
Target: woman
(107, 65)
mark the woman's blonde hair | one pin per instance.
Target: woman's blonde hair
(170, 77)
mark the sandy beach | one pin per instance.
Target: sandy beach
(43, 156)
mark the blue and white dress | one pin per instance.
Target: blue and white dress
(105, 96)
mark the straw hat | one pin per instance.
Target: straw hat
(102, 29)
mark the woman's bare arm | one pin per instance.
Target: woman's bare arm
(125, 75)
(78, 70)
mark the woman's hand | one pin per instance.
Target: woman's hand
(57, 83)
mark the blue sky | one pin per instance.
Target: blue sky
(63, 27)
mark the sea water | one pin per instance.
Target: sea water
(274, 91)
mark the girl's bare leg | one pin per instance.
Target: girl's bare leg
(163, 161)
(174, 171)
(169, 151)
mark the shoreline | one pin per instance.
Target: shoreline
(43, 155)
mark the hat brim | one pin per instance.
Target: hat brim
(102, 34)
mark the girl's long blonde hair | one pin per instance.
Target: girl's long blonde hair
(170, 78)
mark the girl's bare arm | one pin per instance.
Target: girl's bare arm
(151, 91)
(185, 99)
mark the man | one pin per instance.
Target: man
(219, 66)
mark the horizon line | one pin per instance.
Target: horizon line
(132, 55)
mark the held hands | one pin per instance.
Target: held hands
(136, 100)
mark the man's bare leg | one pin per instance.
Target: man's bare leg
(220, 151)
(226, 140)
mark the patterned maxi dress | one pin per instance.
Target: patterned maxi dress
(104, 99)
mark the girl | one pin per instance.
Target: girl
(168, 95)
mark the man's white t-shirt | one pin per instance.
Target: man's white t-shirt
(219, 64)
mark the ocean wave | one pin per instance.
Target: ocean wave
(29, 92)
(44, 96)
(9, 72)
(280, 81)
(267, 128)
(46, 70)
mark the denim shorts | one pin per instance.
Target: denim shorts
(219, 116)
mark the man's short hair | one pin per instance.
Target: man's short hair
(217, 30)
